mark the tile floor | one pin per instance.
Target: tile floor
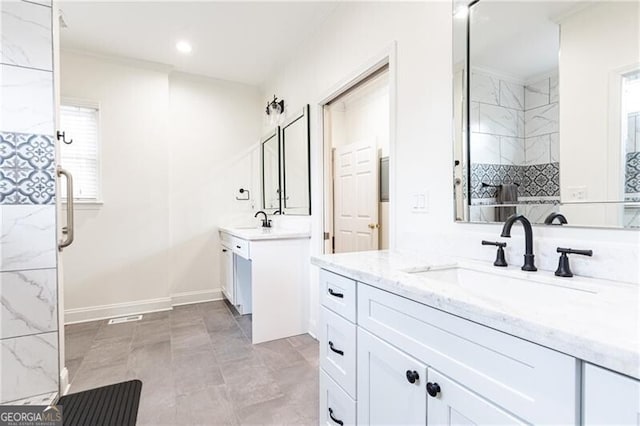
(198, 366)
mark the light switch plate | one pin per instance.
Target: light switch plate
(420, 202)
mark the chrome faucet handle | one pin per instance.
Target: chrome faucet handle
(500, 259)
(564, 269)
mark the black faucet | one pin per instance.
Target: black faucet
(553, 216)
(528, 238)
(266, 223)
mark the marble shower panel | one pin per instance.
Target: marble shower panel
(26, 35)
(29, 366)
(28, 252)
(28, 302)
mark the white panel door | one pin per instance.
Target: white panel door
(609, 398)
(356, 183)
(391, 384)
(453, 404)
(226, 273)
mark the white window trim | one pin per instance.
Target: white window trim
(80, 203)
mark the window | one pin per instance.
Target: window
(81, 158)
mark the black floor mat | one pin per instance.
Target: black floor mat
(109, 405)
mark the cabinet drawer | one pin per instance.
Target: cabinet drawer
(535, 383)
(338, 349)
(335, 405)
(338, 293)
(609, 398)
(240, 247)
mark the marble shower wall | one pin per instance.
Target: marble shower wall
(514, 138)
(28, 279)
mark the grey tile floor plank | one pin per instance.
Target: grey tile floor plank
(198, 367)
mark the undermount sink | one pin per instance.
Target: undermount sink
(488, 282)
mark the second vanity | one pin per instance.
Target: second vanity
(264, 273)
(435, 341)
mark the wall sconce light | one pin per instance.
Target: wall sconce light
(275, 107)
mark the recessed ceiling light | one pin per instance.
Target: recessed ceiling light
(183, 46)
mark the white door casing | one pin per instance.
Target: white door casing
(355, 181)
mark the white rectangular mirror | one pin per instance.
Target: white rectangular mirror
(296, 184)
(554, 137)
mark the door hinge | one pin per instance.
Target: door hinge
(326, 236)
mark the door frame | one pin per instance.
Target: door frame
(386, 58)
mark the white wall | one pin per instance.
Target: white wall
(174, 151)
(120, 252)
(351, 36)
(214, 126)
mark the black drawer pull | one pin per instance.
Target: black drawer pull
(335, 294)
(224, 250)
(339, 352)
(340, 422)
(238, 247)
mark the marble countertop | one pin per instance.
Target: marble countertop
(257, 234)
(594, 320)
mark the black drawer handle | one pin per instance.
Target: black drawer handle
(340, 422)
(433, 389)
(238, 247)
(335, 294)
(339, 352)
(224, 250)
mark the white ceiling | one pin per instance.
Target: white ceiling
(233, 40)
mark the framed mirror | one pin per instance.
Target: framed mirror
(286, 163)
(554, 137)
(270, 153)
(296, 162)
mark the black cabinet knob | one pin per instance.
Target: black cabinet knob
(433, 389)
(412, 376)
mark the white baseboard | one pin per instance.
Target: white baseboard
(189, 297)
(101, 312)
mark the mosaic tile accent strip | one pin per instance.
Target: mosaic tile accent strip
(541, 180)
(27, 169)
(632, 173)
(537, 180)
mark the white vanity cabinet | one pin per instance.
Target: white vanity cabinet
(265, 272)
(391, 384)
(609, 398)
(420, 365)
(457, 405)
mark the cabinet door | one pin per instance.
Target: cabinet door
(226, 274)
(386, 394)
(456, 405)
(610, 398)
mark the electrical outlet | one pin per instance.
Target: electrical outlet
(577, 193)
